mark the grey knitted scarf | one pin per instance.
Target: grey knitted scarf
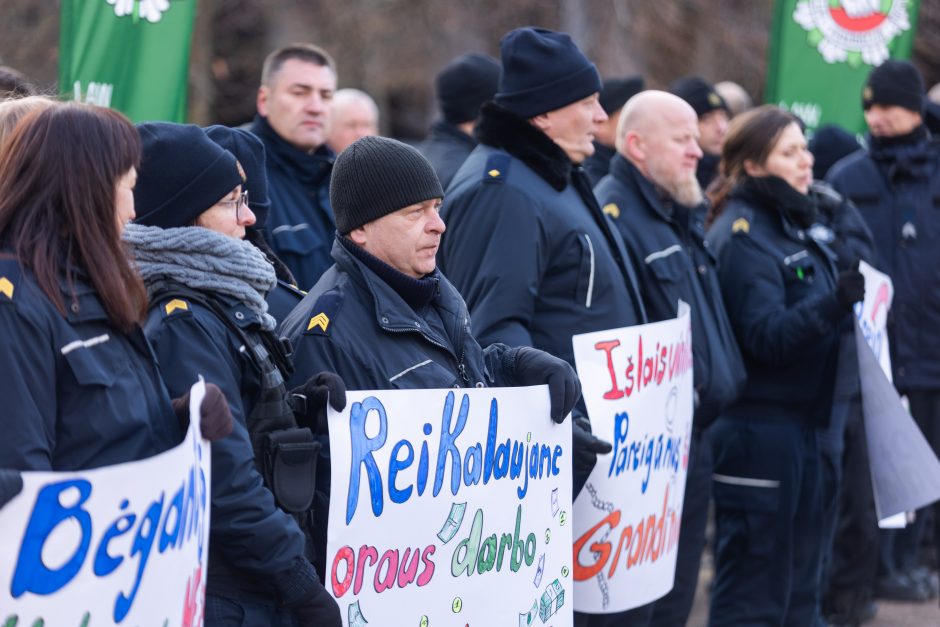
(204, 260)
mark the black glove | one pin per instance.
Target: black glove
(302, 593)
(310, 400)
(11, 483)
(535, 367)
(850, 287)
(216, 422)
(585, 445)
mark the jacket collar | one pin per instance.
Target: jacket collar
(630, 175)
(501, 129)
(445, 130)
(392, 313)
(312, 167)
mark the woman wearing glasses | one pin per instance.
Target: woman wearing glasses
(208, 316)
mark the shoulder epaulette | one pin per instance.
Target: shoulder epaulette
(324, 312)
(497, 167)
(612, 210)
(10, 273)
(741, 225)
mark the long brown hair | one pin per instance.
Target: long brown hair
(58, 175)
(751, 137)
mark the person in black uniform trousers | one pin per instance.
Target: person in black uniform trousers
(786, 302)
(208, 317)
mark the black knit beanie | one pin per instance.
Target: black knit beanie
(182, 174)
(894, 83)
(465, 84)
(542, 70)
(700, 94)
(617, 91)
(376, 176)
(249, 151)
(829, 144)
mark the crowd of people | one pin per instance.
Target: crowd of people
(303, 255)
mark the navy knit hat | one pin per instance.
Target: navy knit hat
(249, 151)
(182, 174)
(617, 91)
(829, 144)
(465, 84)
(542, 70)
(895, 83)
(700, 94)
(376, 176)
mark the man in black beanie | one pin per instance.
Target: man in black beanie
(527, 244)
(462, 87)
(383, 314)
(614, 94)
(713, 115)
(895, 183)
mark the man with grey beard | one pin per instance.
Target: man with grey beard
(655, 200)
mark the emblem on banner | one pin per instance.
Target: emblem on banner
(853, 31)
(150, 10)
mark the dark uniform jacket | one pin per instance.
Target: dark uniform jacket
(77, 392)
(667, 246)
(447, 147)
(355, 324)
(896, 187)
(528, 246)
(778, 284)
(300, 226)
(251, 539)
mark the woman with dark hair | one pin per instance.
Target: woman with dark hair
(208, 316)
(786, 301)
(80, 385)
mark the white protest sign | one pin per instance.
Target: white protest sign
(872, 317)
(905, 472)
(119, 545)
(637, 385)
(450, 507)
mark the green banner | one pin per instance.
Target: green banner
(131, 55)
(821, 52)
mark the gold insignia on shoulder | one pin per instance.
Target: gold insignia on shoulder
(6, 287)
(612, 210)
(741, 225)
(320, 320)
(494, 173)
(175, 304)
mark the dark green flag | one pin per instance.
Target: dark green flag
(131, 55)
(821, 52)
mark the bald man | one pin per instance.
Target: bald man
(355, 115)
(654, 198)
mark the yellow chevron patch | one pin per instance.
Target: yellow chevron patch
(741, 225)
(320, 320)
(494, 173)
(175, 304)
(6, 287)
(612, 210)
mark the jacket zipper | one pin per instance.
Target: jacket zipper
(590, 292)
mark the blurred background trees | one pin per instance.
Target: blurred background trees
(393, 48)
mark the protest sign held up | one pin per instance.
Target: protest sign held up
(905, 472)
(637, 385)
(119, 545)
(441, 497)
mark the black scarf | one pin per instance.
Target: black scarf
(773, 193)
(418, 293)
